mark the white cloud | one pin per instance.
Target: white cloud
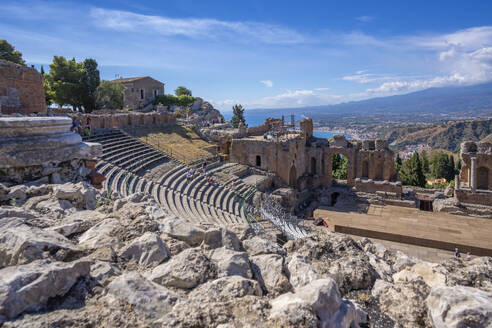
(365, 19)
(267, 83)
(196, 28)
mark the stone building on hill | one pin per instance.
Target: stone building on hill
(140, 91)
(21, 89)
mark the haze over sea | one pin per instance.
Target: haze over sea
(257, 117)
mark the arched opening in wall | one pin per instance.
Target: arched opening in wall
(365, 169)
(379, 171)
(339, 166)
(258, 160)
(293, 176)
(313, 165)
(334, 198)
(483, 178)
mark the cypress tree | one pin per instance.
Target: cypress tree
(411, 172)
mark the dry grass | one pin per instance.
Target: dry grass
(180, 142)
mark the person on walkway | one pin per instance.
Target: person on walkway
(457, 253)
(188, 176)
(74, 126)
(204, 167)
(468, 256)
(88, 127)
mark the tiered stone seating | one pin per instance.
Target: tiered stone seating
(124, 157)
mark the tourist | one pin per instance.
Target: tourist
(468, 256)
(204, 167)
(210, 179)
(74, 127)
(457, 253)
(88, 126)
(188, 176)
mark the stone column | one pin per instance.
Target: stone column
(473, 173)
(457, 182)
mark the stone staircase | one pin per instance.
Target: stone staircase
(125, 158)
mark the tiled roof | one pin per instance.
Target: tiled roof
(132, 79)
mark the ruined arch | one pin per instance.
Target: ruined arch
(379, 171)
(293, 176)
(483, 178)
(365, 169)
(313, 165)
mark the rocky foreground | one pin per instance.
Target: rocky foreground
(72, 257)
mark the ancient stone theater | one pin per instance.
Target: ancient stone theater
(303, 161)
(474, 183)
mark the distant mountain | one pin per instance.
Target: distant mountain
(435, 100)
(447, 136)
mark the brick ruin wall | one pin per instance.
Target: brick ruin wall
(21, 89)
(122, 120)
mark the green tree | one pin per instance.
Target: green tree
(64, 82)
(411, 172)
(442, 166)
(178, 113)
(185, 100)
(110, 95)
(166, 100)
(339, 167)
(238, 115)
(8, 52)
(182, 91)
(90, 80)
(452, 168)
(398, 163)
(425, 162)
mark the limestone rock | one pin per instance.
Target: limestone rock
(257, 246)
(300, 271)
(21, 244)
(186, 270)
(231, 263)
(421, 271)
(180, 229)
(475, 273)
(220, 237)
(100, 235)
(151, 299)
(148, 251)
(81, 194)
(456, 307)
(321, 297)
(77, 222)
(352, 273)
(226, 288)
(405, 303)
(269, 271)
(242, 231)
(102, 272)
(28, 287)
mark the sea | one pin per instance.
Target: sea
(257, 117)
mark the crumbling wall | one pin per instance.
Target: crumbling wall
(122, 120)
(21, 89)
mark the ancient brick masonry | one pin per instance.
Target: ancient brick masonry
(304, 162)
(21, 89)
(474, 183)
(121, 120)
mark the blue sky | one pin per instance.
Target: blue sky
(265, 54)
